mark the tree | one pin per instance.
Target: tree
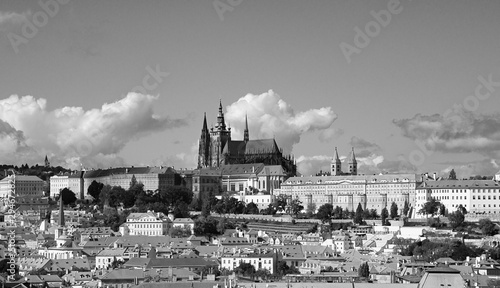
(251, 208)
(384, 214)
(68, 196)
(358, 216)
(133, 182)
(394, 210)
(406, 208)
(488, 228)
(462, 209)
(338, 213)
(364, 270)
(453, 175)
(430, 207)
(94, 190)
(245, 269)
(456, 219)
(442, 210)
(178, 232)
(181, 210)
(295, 207)
(311, 209)
(325, 213)
(205, 226)
(280, 203)
(284, 269)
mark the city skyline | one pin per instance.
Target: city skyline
(413, 86)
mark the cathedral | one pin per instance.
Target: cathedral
(216, 148)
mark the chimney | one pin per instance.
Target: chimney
(434, 176)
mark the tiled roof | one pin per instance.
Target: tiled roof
(241, 169)
(273, 170)
(459, 184)
(385, 178)
(127, 170)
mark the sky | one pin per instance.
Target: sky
(413, 86)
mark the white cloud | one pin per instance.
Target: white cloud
(180, 160)
(270, 116)
(310, 165)
(330, 134)
(71, 135)
(460, 132)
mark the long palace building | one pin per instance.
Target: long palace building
(347, 190)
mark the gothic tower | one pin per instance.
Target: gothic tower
(353, 164)
(204, 146)
(336, 165)
(246, 137)
(219, 137)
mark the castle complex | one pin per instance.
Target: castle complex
(216, 148)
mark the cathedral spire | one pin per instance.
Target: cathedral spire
(246, 136)
(221, 125)
(353, 164)
(205, 127)
(336, 155)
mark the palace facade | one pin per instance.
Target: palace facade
(347, 190)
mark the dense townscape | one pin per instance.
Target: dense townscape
(245, 218)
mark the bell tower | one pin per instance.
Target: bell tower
(336, 169)
(353, 164)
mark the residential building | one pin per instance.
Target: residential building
(258, 257)
(147, 224)
(57, 184)
(104, 259)
(24, 185)
(476, 196)
(153, 178)
(183, 223)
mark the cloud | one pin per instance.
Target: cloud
(368, 156)
(310, 165)
(71, 135)
(461, 132)
(484, 167)
(13, 17)
(330, 134)
(180, 160)
(270, 116)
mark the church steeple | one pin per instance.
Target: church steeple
(336, 165)
(221, 124)
(204, 145)
(47, 163)
(246, 137)
(353, 164)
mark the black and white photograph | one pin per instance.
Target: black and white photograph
(249, 143)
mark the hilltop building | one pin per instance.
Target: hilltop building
(216, 148)
(476, 196)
